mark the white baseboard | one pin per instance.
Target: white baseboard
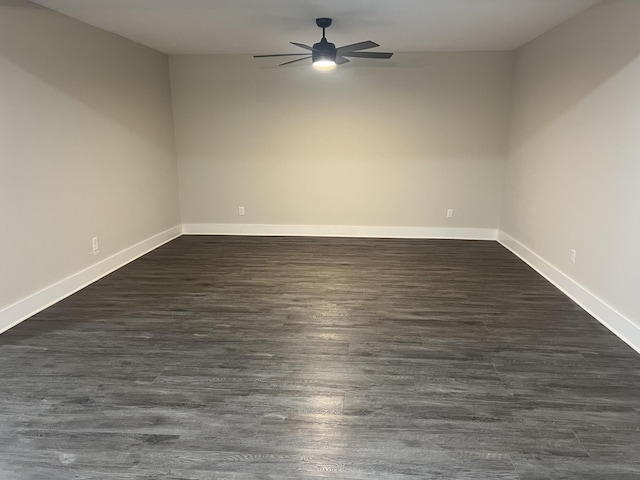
(338, 231)
(623, 327)
(25, 308)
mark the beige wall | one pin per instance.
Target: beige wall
(361, 145)
(573, 179)
(86, 147)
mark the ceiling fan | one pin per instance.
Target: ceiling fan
(324, 54)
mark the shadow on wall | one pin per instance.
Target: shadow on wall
(85, 64)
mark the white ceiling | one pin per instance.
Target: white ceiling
(266, 26)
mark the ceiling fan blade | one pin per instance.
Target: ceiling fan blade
(367, 54)
(340, 60)
(296, 60)
(280, 55)
(357, 46)
(301, 45)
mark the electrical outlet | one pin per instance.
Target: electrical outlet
(450, 213)
(95, 249)
(240, 210)
(573, 256)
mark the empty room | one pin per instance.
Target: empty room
(294, 239)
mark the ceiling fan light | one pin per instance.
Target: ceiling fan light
(324, 64)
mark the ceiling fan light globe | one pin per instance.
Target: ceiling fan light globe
(324, 64)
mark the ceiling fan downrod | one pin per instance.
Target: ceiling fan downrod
(323, 23)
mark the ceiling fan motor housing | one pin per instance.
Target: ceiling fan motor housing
(323, 50)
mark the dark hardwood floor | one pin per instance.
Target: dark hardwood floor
(299, 358)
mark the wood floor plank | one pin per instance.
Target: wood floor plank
(301, 358)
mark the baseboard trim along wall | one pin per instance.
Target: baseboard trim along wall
(25, 308)
(621, 326)
(338, 231)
